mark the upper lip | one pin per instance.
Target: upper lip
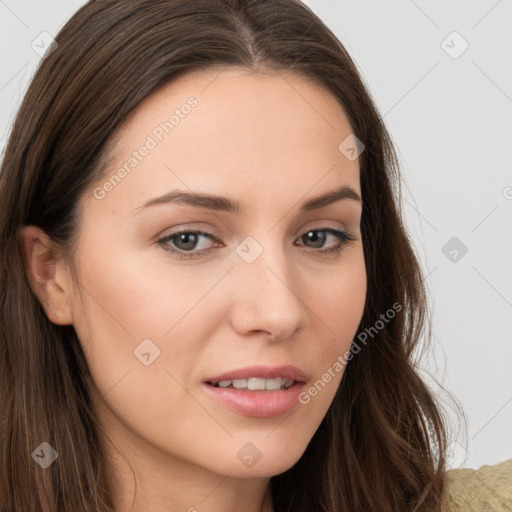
(261, 371)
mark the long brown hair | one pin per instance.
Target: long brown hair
(381, 446)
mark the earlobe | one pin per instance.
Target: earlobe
(46, 273)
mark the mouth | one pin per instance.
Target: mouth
(255, 384)
(256, 402)
(258, 391)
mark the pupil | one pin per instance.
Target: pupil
(313, 236)
(184, 237)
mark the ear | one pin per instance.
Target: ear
(48, 276)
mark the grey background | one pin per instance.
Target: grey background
(451, 121)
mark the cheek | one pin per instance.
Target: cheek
(128, 298)
(134, 295)
(338, 307)
(127, 302)
(339, 301)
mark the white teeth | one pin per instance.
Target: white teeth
(253, 383)
(257, 383)
(273, 383)
(289, 383)
(240, 383)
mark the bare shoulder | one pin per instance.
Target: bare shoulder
(487, 488)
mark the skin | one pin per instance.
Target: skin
(269, 140)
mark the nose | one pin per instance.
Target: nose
(266, 297)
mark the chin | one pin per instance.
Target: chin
(262, 458)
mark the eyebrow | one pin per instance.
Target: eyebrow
(224, 204)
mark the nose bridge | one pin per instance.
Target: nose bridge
(268, 299)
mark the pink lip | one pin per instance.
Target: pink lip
(262, 372)
(257, 404)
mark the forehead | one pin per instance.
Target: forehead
(230, 128)
(230, 96)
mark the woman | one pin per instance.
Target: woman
(210, 301)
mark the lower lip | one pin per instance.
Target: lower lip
(258, 404)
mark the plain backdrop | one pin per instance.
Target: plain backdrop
(441, 76)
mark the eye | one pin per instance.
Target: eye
(185, 243)
(343, 237)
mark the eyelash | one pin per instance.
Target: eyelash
(344, 236)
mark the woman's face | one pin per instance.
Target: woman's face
(163, 313)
